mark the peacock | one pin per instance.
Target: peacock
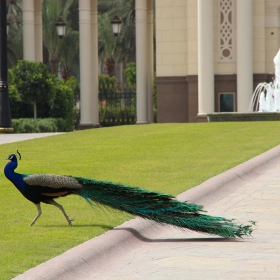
(161, 208)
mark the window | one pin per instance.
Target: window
(226, 102)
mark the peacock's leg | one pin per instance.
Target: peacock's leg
(38, 214)
(54, 203)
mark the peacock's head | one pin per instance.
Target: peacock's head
(11, 165)
(13, 157)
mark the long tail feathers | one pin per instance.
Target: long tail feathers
(161, 208)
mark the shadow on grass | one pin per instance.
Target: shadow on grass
(139, 236)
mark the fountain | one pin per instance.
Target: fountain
(266, 97)
(264, 105)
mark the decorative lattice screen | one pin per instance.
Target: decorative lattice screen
(226, 30)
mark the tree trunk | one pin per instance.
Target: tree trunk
(65, 73)
(35, 110)
(54, 64)
(110, 66)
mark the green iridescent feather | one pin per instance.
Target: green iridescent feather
(158, 207)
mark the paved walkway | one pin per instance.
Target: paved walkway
(142, 250)
(174, 254)
(10, 138)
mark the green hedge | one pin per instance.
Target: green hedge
(41, 125)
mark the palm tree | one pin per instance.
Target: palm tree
(14, 39)
(14, 47)
(107, 43)
(67, 53)
(14, 13)
(51, 10)
(126, 45)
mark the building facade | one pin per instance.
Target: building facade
(211, 54)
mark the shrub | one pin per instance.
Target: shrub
(59, 103)
(40, 125)
(130, 73)
(18, 108)
(33, 83)
(63, 104)
(107, 84)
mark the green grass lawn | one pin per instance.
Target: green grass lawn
(168, 158)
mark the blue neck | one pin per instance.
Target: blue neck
(14, 177)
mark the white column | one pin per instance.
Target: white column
(86, 99)
(244, 54)
(28, 30)
(94, 54)
(38, 31)
(141, 61)
(205, 57)
(150, 61)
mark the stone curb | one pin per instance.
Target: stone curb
(92, 256)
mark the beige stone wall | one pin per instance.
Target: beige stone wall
(192, 37)
(259, 36)
(171, 37)
(176, 38)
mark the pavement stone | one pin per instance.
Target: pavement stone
(140, 249)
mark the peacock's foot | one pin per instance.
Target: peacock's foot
(70, 221)
(32, 223)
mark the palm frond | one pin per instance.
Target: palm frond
(66, 53)
(125, 48)
(14, 46)
(14, 14)
(52, 9)
(106, 37)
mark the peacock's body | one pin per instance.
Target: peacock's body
(154, 206)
